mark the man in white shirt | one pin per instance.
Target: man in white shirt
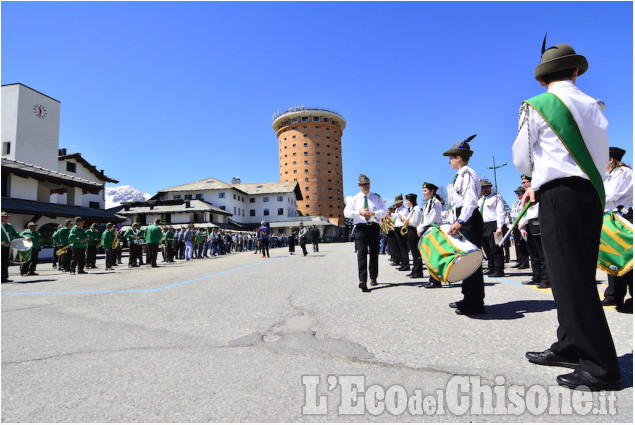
(522, 256)
(366, 209)
(493, 211)
(564, 164)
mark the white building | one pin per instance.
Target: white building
(40, 182)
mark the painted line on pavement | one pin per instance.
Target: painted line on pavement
(124, 291)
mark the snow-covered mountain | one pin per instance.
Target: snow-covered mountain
(118, 194)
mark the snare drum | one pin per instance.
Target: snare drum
(22, 250)
(449, 258)
(616, 245)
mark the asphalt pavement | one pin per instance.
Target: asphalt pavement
(241, 338)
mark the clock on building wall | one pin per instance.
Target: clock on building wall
(39, 111)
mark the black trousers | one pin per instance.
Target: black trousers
(303, 246)
(522, 255)
(5, 263)
(292, 244)
(134, 254)
(153, 252)
(618, 285)
(29, 266)
(109, 257)
(367, 245)
(494, 253)
(264, 246)
(536, 253)
(79, 259)
(413, 245)
(392, 247)
(473, 288)
(402, 248)
(65, 259)
(91, 256)
(570, 223)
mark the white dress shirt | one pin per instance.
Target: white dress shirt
(493, 209)
(618, 186)
(414, 214)
(539, 153)
(396, 216)
(356, 204)
(431, 214)
(465, 192)
(532, 212)
(516, 209)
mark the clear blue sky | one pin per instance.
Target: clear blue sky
(164, 93)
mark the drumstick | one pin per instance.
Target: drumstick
(509, 232)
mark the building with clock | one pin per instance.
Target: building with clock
(310, 153)
(41, 182)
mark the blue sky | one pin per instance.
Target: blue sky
(164, 93)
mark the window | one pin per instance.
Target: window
(93, 204)
(305, 119)
(295, 171)
(319, 179)
(294, 121)
(319, 197)
(280, 211)
(266, 211)
(306, 179)
(305, 135)
(294, 162)
(252, 200)
(326, 120)
(316, 119)
(234, 196)
(317, 136)
(308, 206)
(307, 154)
(306, 144)
(188, 197)
(252, 213)
(222, 207)
(306, 197)
(305, 126)
(280, 198)
(306, 170)
(177, 196)
(306, 162)
(306, 188)
(265, 199)
(198, 196)
(6, 148)
(293, 154)
(221, 195)
(319, 188)
(71, 167)
(293, 138)
(234, 210)
(293, 145)
(317, 128)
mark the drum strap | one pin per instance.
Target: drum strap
(555, 113)
(6, 233)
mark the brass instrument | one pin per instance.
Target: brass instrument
(98, 245)
(115, 242)
(62, 250)
(404, 228)
(387, 224)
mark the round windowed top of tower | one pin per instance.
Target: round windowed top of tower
(304, 115)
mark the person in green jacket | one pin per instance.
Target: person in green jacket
(107, 239)
(28, 268)
(62, 236)
(168, 239)
(56, 242)
(153, 237)
(94, 237)
(77, 239)
(8, 234)
(133, 237)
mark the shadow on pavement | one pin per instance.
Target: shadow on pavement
(33, 281)
(515, 309)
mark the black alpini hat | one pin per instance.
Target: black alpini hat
(617, 153)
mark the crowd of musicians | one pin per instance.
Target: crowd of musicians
(570, 179)
(75, 248)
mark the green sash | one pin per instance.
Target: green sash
(559, 118)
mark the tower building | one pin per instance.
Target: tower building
(310, 152)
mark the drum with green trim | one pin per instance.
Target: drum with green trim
(616, 245)
(449, 258)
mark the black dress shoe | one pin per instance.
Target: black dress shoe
(496, 274)
(409, 274)
(373, 282)
(32, 274)
(608, 301)
(403, 269)
(363, 287)
(395, 264)
(530, 282)
(523, 266)
(549, 358)
(544, 285)
(456, 304)
(579, 379)
(470, 311)
(7, 281)
(431, 285)
(416, 275)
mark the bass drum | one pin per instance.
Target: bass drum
(616, 245)
(449, 258)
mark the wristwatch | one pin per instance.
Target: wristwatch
(458, 220)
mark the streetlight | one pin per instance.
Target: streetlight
(494, 168)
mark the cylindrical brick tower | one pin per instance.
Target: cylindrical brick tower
(310, 152)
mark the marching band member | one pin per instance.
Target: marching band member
(366, 209)
(135, 250)
(28, 268)
(8, 234)
(391, 238)
(469, 222)
(557, 131)
(522, 256)
(619, 197)
(529, 228)
(94, 237)
(414, 217)
(431, 215)
(77, 238)
(401, 241)
(493, 211)
(107, 241)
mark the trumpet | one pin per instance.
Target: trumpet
(62, 250)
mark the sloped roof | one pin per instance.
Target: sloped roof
(205, 184)
(90, 167)
(196, 205)
(273, 187)
(23, 169)
(24, 206)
